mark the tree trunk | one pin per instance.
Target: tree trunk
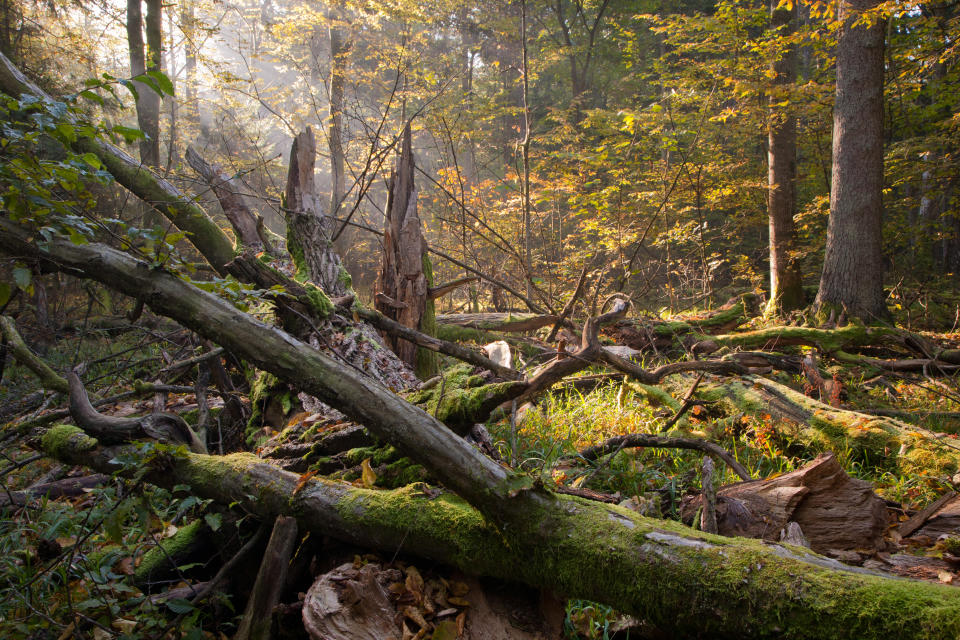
(786, 291)
(246, 223)
(339, 48)
(308, 228)
(405, 272)
(853, 263)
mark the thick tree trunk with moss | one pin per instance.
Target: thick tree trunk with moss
(406, 275)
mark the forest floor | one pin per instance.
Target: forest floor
(103, 555)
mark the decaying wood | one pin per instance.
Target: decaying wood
(247, 224)
(257, 621)
(441, 290)
(708, 513)
(401, 277)
(307, 221)
(502, 524)
(660, 335)
(565, 544)
(835, 512)
(162, 426)
(67, 487)
(503, 322)
(49, 378)
(874, 439)
(941, 518)
(452, 349)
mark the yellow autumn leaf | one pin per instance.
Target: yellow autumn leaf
(367, 475)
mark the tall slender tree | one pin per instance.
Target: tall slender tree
(786, 290)
(852, 276)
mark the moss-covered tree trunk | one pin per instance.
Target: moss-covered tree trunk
(684, 582)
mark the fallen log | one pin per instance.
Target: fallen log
(685, 582)
(247, 224)
(257, 621)
(836, 513)
(453, 349)
(646, 335)
(494, 321)
(883, 442)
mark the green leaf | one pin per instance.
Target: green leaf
(5, 292)
(131, 88)
(163, 82)
(22, 276)
(129, 133)
(180, 605)
(93, 97)
(213, 520)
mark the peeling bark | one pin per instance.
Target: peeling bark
(309, 229)
(402, 278)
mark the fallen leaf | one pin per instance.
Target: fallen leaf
(304, 479)
(125, 566)
(123, 625)
(945, 577)
(367, 476)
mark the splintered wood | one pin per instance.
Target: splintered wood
(836, 513)
(402, 287)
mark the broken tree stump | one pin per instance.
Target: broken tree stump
(403, 284)
(836, 513)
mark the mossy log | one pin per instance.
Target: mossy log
(880, 441)
(685, 582)
(826, 340)
(644, 334)
(49, 378)
(495, 321)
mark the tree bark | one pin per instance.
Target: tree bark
(853, 263)
(786, 290)
(405, 276)
(339, 50)
(247, 224)
(308, 228)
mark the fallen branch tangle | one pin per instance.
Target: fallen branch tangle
(584, 549)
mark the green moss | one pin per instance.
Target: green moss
(176, 547)
(463, 398)
(319, 301)
(377, 455)
(692, 584)
(263, 386)
(344, 278)
(296, 254)
(61, 440)
(426, 365)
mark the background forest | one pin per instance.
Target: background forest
(521, 319)
(646, 128)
